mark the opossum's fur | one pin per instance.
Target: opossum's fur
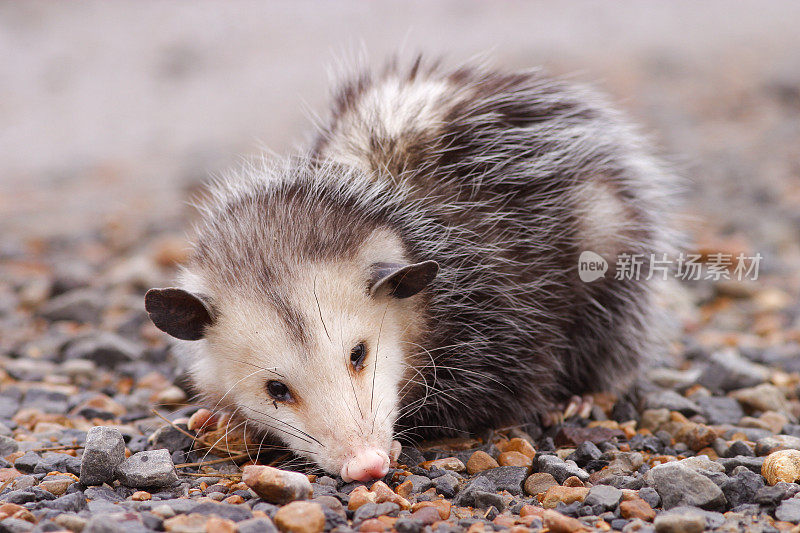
(503, 179)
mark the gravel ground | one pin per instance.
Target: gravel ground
(98, 432)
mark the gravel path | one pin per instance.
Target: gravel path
(709, 440)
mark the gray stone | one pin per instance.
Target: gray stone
(256, 525)
(650, 495)
(508, 478)
(777, 442)
(742, 486)
(237, 513)
(80, 305)
(719, 409)
(678, 484)
(8, 407)
(559, 469)
(68, 503)
(672, 401)
(604, 495)
(105, 450)
(104, 348)
(47, 401)
(446, 485)
(727, 371)
(374, 510)
(27, 462)
(419, 483)
(408, 525)
(172, 438)
(789, 511)
(60, 462)
(484, 500)
(776, 493)
(148, 469)
(466, 496)
(751, 463)
(7, 446)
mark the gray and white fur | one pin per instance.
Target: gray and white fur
(433, 230)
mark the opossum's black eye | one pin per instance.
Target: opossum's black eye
(278, 391)
(357, 356)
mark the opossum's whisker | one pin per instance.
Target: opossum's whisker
(287, 424)
(320, 310)
(375, 364)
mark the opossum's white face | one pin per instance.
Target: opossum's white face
(320, 364)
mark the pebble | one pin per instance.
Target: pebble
(300, 517)
(764, 397)
(637, 508)
(560, 494)
(104, 451)
(256, 525)
(605, 496)
(677, 484)
(480, 461)
(514, 458)
(783, 465)
(508, 478)
(559, 468)
(275, 485)
(447, 463)
(559, 523)
(680, 523)
(539, 482)
(775, 443)
(789, 511)
(148, 469)
(104, 349)
(79, 305)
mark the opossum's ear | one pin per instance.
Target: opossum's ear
(400, 280)
(178, 312)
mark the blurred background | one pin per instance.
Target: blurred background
(112, 111)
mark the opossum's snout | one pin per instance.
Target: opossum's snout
(365, 465)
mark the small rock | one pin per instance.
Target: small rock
(513, 458)
(518, 444)
(300, 517)
(680, 523)
(764, 397)
(783, 465)
(727, 371)
(104, 348)
(256, 525)
(183, 523)
(539, 482)
(446, 485)
(446, 463)
(767, 445)
(559, 494)
(7, 446)
(104, 451)
(560, 469)
(508, 478)
(480, 461)
(672, 401)
(172, 438)
(275, 485)
(79, 305)
(605, 495)
(637, 508)
(678, 484)
(486, 500)
(559, 523)
(57, 487)
(571, 436)
(789, 511)
(148, 469)
(720, 409)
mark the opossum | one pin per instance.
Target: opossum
(415, 271)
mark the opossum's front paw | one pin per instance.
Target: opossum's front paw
(580, 406)
(394, 452)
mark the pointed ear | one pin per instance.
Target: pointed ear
(401, 280)
(177, 312)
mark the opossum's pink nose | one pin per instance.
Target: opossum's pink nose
(366, 465)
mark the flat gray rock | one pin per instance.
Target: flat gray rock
(148, 469)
